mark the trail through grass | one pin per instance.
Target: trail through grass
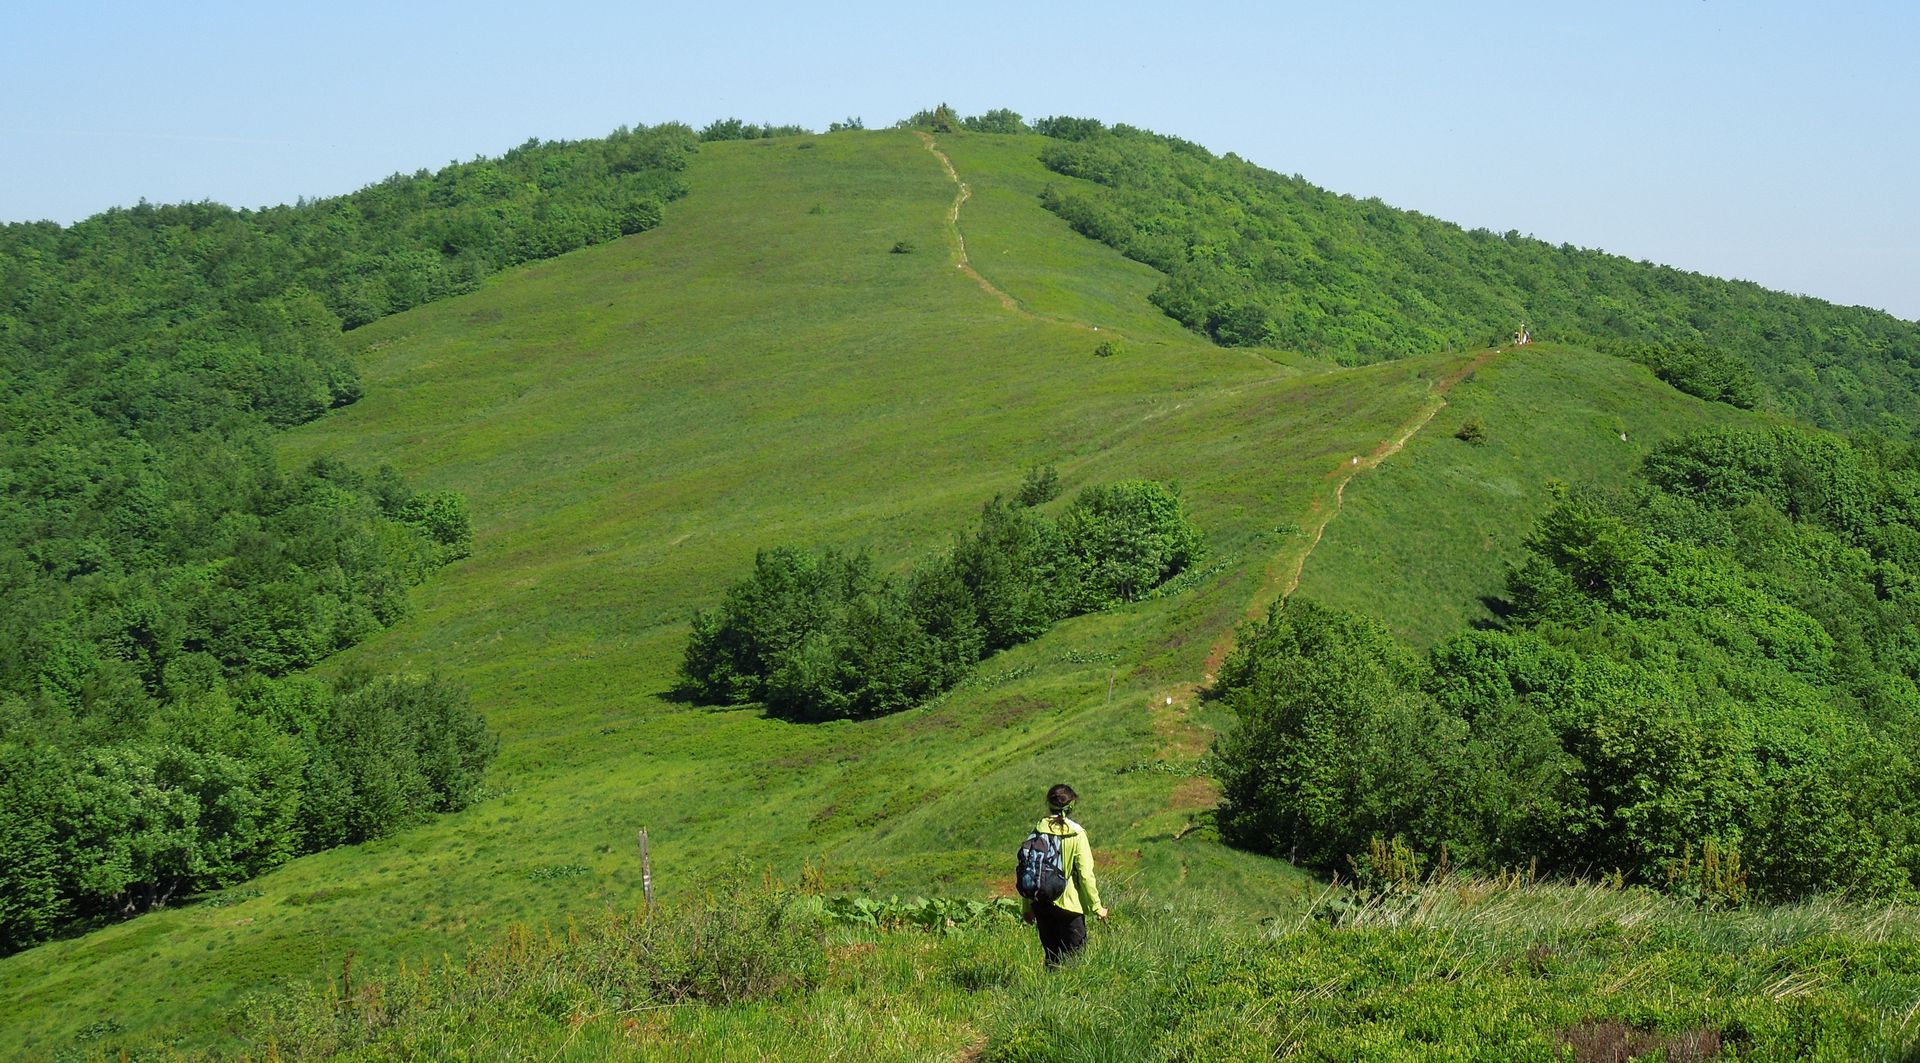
(1448, 515)
(629, 423)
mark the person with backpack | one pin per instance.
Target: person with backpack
(1054, 877)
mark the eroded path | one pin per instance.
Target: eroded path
(1283, 572)
(1183, 739)
(957, 241)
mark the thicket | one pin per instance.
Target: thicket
(943, 119)
(149, 542)
(822, 635)
(1254, 257)
(220, 784)
(735, 129)
(1706, 683)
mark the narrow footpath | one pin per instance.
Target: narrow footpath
(1182, 737)
(958, 242)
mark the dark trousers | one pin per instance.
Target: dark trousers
(1062, 933)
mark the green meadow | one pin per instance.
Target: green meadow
(629, 423)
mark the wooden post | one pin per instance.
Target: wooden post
(1115, 671)
(646, 871)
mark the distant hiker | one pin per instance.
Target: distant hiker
(1055, 879)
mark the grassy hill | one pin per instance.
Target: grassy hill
(630, 422)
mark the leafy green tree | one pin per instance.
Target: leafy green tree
(999, 120)
(1124, 539)
(35, 784)
(1014, 564)
(1334, 743)
(1040, 486)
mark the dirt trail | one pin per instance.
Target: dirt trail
(1180, 736)
(1284, 571)
(953, 228)
(959, 244)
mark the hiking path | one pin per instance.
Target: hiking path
(1184, 738)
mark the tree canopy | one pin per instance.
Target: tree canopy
(1257, 258)
(1722, 660)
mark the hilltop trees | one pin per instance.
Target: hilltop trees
(1252, 257)
(821, 635)
(944, 119)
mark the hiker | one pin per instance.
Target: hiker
(1055, 879)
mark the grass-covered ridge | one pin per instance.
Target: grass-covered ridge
(625, 441)
(630, 422)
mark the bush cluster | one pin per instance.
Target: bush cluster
(944, 119)
(735, 129)
(1706, 683)
(1698, 369)
(821, 635)
(218, 786)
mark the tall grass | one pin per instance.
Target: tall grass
(1450, 969)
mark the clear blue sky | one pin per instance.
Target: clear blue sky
(1775, 141)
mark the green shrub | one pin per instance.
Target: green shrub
(1124, 539)
(820, 636)
(1040, 486)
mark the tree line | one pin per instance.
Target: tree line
(821, 635)
(220, 784)
(154, 555)
(1257, 258)
(1706, 682)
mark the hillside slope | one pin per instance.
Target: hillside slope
(1451, 514)
(631, 422)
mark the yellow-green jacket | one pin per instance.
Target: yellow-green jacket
(1082, 894)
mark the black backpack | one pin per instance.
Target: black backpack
(1040, 873)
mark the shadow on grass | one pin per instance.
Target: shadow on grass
(1500, 611)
